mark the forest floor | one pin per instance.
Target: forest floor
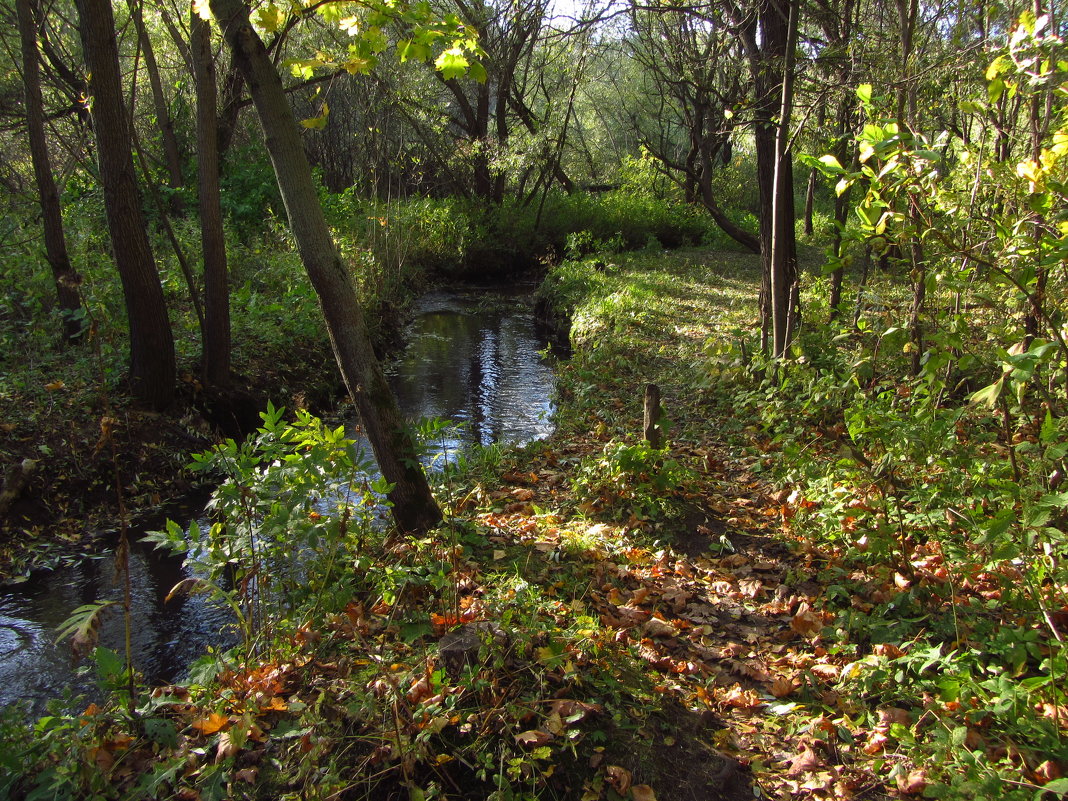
(646, 624)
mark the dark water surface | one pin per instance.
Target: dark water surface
(473, 357)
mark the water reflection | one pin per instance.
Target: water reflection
(165, 637)
(475, 358)
(472, 357)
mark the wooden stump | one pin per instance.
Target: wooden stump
(654, 434)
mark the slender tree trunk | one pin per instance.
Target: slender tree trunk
(810, 200)
(215, 359)
(63, 273)
(152, 362)
(782, 258)
(908, 11)
(414, 508)
(1036, 300)
(171, 155)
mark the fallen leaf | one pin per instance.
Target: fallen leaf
(888, 650)
(573, 711)
(826, 672)
(891, 715)
(876, 743)
(782, 687)
(806, 621)
(534, 738)
(618, 777)
(913, 783)
(642, 792)
(1047, 772)
(226, 748)
(741, 698)
(750, 588)
(658, 627)
(212, 723)
(807, 760)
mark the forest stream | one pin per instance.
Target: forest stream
(473, 356)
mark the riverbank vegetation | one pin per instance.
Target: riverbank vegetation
(800, 530)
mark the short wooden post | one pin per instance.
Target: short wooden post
(654, 434)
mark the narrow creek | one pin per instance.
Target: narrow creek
(473, 356)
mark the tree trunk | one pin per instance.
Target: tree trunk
(414, 508)
(159, 101)
(152, 362)
(55, 242)
(774, 68)
(215, 361)
(810, 200)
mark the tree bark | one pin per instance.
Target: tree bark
(171, 155)
(215, 361)
(63, 273)
(772, 60)
(414, 508)
(152, 361)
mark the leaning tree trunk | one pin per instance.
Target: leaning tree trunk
(216, 344)
(152, 362)
(55, 242)
(414, 508)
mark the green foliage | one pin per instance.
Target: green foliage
(248, 191)
(294, 497)
(632, 481)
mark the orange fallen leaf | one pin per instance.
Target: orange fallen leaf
(876, 743)
(826, 672)
(642, 792)
(740, 698)
(212, 723)
(1047, 772)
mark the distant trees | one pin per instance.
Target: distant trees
(722, 95)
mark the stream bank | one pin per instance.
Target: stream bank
(473, 357)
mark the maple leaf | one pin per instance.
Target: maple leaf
(212, 723)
